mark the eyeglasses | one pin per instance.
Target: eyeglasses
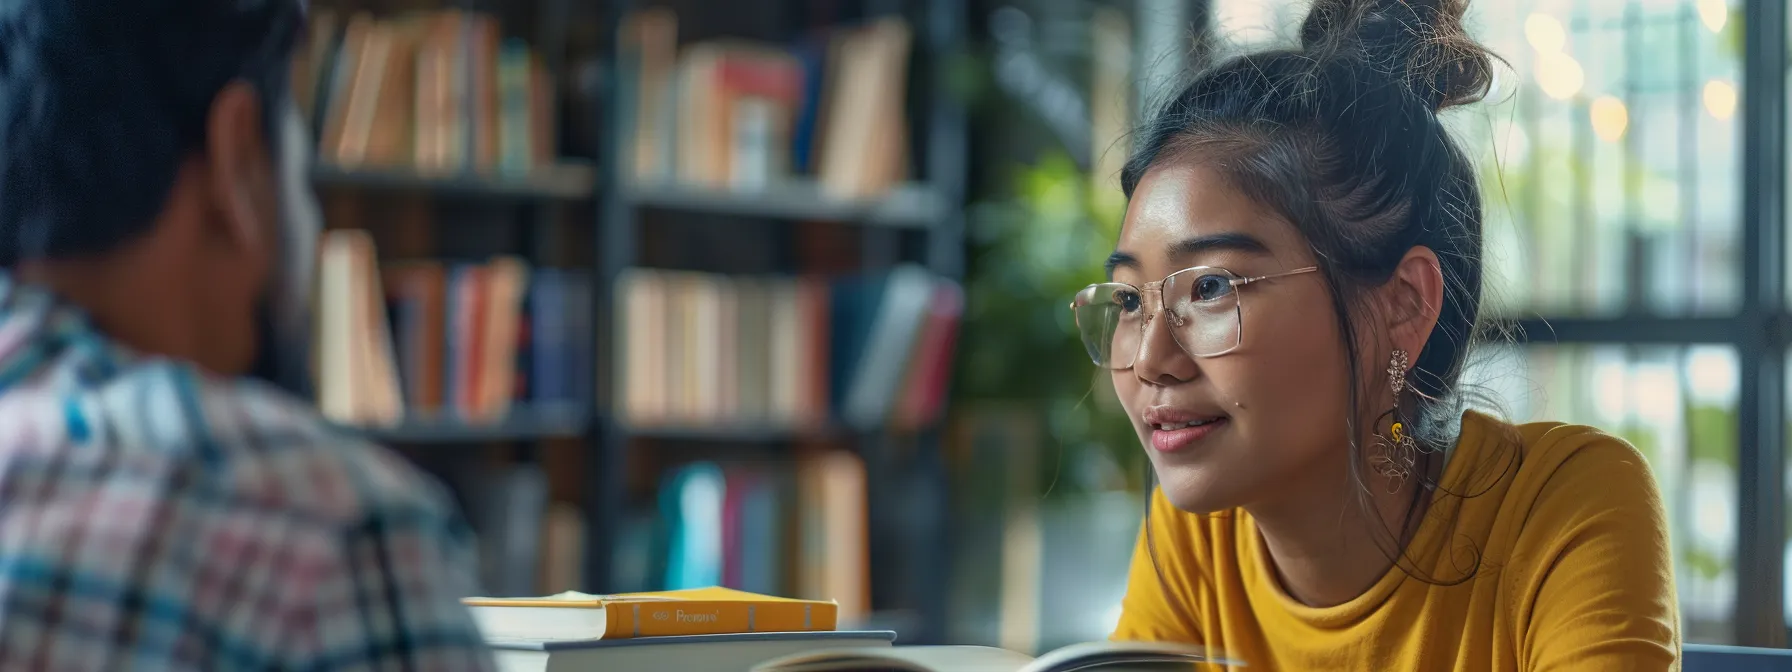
(1204, 311)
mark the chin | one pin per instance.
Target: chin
(1199, 489)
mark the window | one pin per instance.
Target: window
(1615, 152)
(1677, 404)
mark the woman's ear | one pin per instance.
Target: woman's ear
(1413, 299)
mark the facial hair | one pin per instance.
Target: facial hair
(283, 314)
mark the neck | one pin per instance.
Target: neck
(126, 299)
(1330, 543)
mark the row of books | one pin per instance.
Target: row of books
(869, 352)
(469, 340)
(799, 529)
(426, 338)
(742, 115)
(437, 92)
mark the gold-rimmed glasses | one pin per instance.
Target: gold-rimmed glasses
(1204, 312)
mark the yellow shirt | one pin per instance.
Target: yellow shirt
(1575, 572)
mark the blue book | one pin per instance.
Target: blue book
(1712, 657)
(812, 53)
(548, 337)
(691, 504)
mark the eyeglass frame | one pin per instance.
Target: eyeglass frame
(1234, 279)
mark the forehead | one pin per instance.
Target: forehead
(1179, 201)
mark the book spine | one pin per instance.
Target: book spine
(660, 619)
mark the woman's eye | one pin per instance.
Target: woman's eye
(1129, 301)
(1211, 287)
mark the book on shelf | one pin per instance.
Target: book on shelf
(871, 351)
(1113, 656)
(436, 92)
(741, 115)
(448, 340)
(799, 529)
(698, 611)
(684, 653)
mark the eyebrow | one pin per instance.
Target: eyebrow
(1239, 242)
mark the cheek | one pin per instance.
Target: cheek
(1292, 382)
(1126, 387)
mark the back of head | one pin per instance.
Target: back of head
(1340, 136)
(100, 100)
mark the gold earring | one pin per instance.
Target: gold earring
(1395, 454)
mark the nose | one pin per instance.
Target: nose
(1161, 360)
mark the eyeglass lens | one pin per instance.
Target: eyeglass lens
(1199, 308)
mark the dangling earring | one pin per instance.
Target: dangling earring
(1395, 453)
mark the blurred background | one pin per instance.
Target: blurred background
(772, 293)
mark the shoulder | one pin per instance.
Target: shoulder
(279, 451)
(1560, 460)
(1579, 487)
(1587, 565)
(205, 481)
(1543, 460)
(254, 446)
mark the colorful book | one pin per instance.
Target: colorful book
(698, 611)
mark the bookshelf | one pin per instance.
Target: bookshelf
(735, 433)
(562, 199)
(913, 206)
(456, 174)
(913, 220)
(536, 423)
(558, 183)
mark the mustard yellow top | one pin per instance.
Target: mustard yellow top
(1575, 573)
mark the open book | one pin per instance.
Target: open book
(1092, 656)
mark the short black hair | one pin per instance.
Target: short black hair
(101, 99)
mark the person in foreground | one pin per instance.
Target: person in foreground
(1294, 290)
(167, 500)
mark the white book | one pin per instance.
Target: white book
(1091, 656)
(687, 653)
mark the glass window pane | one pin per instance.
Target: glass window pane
(1608, 151)
(1677, 405)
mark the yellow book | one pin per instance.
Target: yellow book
(696, 611)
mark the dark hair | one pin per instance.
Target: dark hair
(100, 100)
(1341, 137)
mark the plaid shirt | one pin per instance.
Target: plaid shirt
(152, 517)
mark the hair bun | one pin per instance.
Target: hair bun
(1421, 43)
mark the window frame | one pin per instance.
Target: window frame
(1760, 331)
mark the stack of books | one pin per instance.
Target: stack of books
(697, 630)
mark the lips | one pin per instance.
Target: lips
(1173, 426)
(1173, 440)
(1174, 430)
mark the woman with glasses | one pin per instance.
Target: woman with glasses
(1290, 304)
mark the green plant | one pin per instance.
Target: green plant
(1033, 246)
